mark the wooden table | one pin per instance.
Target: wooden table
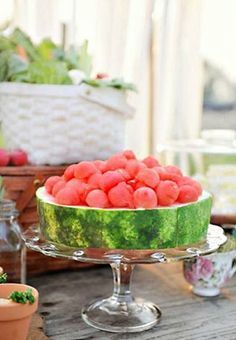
(185, 316)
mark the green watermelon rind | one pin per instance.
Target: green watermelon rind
(160, 228)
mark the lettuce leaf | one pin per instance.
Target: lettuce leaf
(48, 72)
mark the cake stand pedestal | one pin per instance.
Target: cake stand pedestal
(122, 313)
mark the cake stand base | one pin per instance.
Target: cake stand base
(121, 317)
(121, 312)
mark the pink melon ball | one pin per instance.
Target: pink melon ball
(167, 192)
(145, 197)
(97, 198)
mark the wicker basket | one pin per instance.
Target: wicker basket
(59, 124)
(20, 184)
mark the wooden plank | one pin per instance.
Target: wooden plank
(15, 183)
(31, 170)
(36, 329)
(185, 316)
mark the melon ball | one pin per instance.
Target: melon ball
(95, 181)
(148, 177)
(69, 172)
(97, 198)
(133, 166)
(100, 165)
(185, 180)
(150, 162)
(120, 196)
(84, 169)
(129, 154)
(187, 194)
(117, 161)
(145, 197)
(167, 193)
(173, 170)
(58, 186)
(110, 179)
(67, 196)
(50, 182)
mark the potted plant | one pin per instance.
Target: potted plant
(52, 108)
(18, 302)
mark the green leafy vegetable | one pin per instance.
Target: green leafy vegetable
(116, 83)
(85, 60)
(48, 72)
(20, 38)
(46, 49)
(3, 278)
(47, 63)
(23, 297)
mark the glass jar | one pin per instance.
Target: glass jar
(12, 248)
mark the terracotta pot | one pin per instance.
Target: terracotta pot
(15, 317)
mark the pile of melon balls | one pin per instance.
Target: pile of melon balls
(122, 181)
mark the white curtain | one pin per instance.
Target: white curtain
(155, 49)
(177, 63)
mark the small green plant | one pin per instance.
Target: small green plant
(23, 297)
(3, 278)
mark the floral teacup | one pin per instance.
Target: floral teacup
(207, 274)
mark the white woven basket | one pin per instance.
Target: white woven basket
(61, 124)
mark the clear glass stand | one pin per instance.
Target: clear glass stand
(122, 313)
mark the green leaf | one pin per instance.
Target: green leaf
(116, 83)
(46, 49)
(48, 72)
(84, 59)
(72, 59)
(3, 278)
(6, 44)
(4, 57)
(16, 65)
(20, 38)
(22, 297)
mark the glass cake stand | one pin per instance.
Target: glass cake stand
(122, 312)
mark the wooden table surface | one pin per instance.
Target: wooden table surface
(184, 315)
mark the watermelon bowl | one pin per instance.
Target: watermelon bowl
(123, 238)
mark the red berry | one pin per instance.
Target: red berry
(67, 196)
(187, 194)
(100, 165)
(148, 177)
(4, 157)
(84, 169)
(129, 154)
(97, 198)
(110, 179)
(145, 198)
(173, 170)
(116, 162)
(120, 196)
(167, 193)
(150, 162)
(58, 186)
(18, 157)
(69, 172)
(50, 182)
